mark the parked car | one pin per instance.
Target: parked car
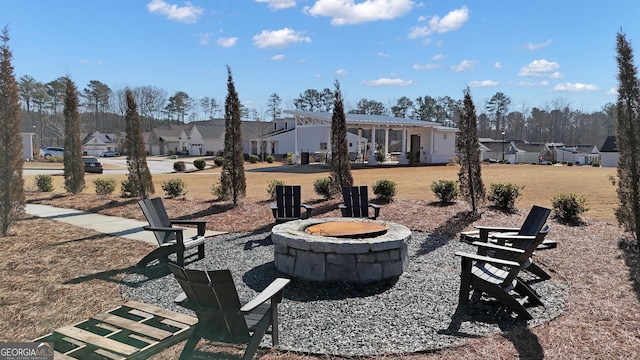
(92, 165)
(110, 153)
(48, 152)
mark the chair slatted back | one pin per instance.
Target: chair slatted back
(535, 220)
(288, 201)
(214, 290)
(156, 214)
(356, 201)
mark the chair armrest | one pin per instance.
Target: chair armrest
(376, 210)
(496, 228)
(513, 237)
(308, 209)
(487, 259)
(200, 223)
(274, 289)
(165, 229)
(492, 246)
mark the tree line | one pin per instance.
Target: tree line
(103, 109)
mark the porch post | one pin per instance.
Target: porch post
(372, 153)
(359, 150)
(296, 155)
(402, 160)
(386, 143)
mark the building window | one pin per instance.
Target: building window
(323, 146)
(444, 136)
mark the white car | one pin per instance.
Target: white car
(48, 152)
(110, 153)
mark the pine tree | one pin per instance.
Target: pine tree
(339, 167)
(628, 138)
(232, 179)
(11, 181)
(73, 165)
(140, 181)
(468, 147)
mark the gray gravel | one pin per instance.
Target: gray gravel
(417, 312)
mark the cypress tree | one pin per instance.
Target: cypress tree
(139, 177)
(11, 181)
(73, 165)
(628, 138)
(468, 147)
(339, 167)
(232, 179)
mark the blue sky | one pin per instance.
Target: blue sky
(538, 53)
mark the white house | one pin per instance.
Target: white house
(609, 155)
(28, 132)
(426, 142)
(96, 143)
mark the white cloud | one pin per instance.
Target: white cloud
(612, 91)
(556, 75)
(278, 4)
(463, 66)
(484, 83)
(497, 65)
(575, 87)
(89, 62)
(532, 84)
(227, 42)
(384, 55)
(205, 38)
(538, 68)
(422, 18)
(279, 38)
(347, 12)
(278, 57)
(388, 82)
(531, 46)
(452, 21)
(187, 14)
(438, 57)
(341, 72)
(426, 66)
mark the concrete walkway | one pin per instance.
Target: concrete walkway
(112, 225)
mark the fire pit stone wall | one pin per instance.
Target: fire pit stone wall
(325, 258)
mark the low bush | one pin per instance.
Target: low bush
(253, 158)
(446, 190)
(179, 166)
(220, 192)
(271, 188)
(289, 158)
(44, 182)
(504, 195)
(595, 164)
(570, 163)
(270, 159)
(218, 160)
(200, 163)
(325, 187)
(568, 207)
(174, 187)
(385, 189)
(105, 186)
(127, 189)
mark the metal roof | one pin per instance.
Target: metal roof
(362, 119)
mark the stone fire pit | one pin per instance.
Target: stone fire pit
(360, 258)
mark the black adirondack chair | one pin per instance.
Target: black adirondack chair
(288, 205)
(356, 203)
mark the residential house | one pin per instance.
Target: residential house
(96, 143)
(577, 154)
(609, 155)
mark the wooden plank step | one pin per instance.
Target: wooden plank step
(134, 326)
(97, 340)
(185, 319)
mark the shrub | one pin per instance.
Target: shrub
(218, 160)
(504, 195)
(220, 192)
(289, 158)
(174, 187)
(446, 190)
(127, 189)
(105, 186)
(253, 158)
(568, 207)
(570, 163)
(179, 166)
(271, 188)
(270, 159)
(325, 187)
(44, 183)
(595, 164)
(200, 163)
(385, 189)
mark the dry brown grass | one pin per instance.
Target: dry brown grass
(54, 274)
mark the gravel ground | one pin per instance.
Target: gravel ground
(417, 312)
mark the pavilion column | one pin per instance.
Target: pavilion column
(372, 153)
(386, 143)
(359, 149)
(402, 159)
(296, 154)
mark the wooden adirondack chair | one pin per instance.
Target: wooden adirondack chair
(170, 239)
(356, 203)
(498, 277)
(533, 223)
(212, 295)
(288, 205)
